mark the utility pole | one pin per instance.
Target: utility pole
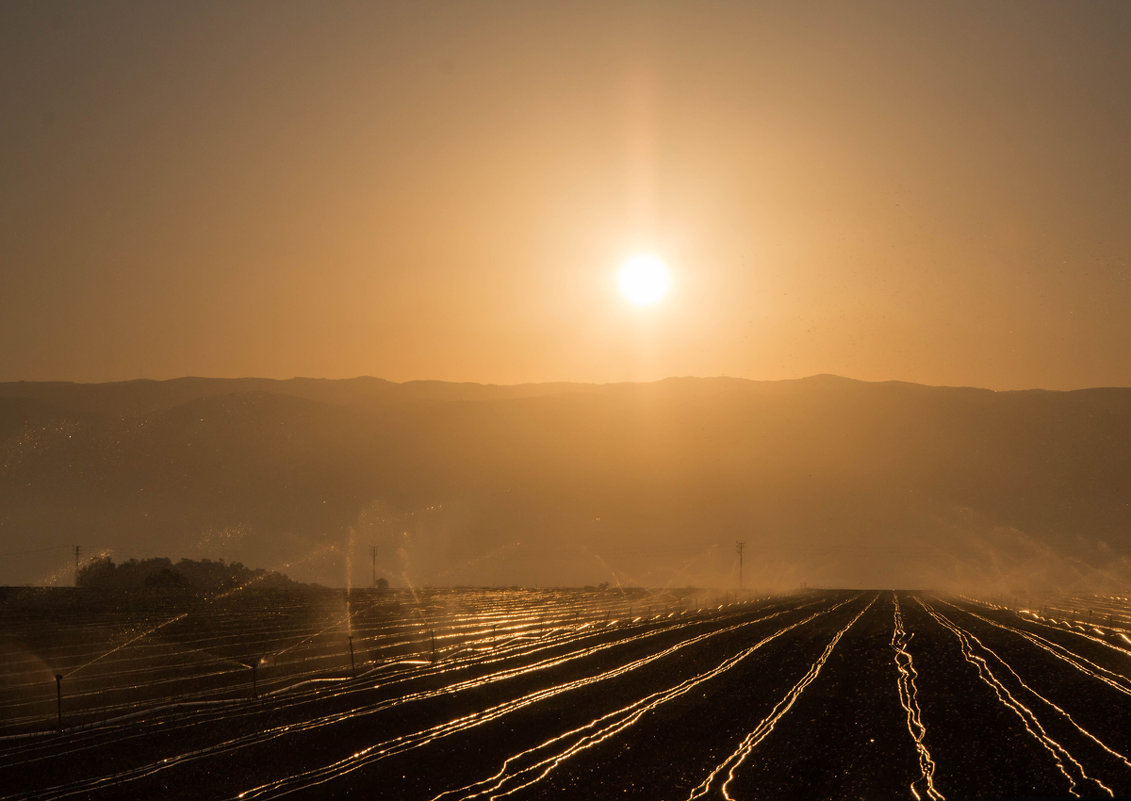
(373, 556)
(738, 546)
(78, 549)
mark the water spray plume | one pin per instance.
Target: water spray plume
(349, 584)
(127, 643)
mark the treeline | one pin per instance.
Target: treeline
(188, 575)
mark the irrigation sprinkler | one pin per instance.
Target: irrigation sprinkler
(59, 700)
(433, 645)
(353, 665)
(254, 681)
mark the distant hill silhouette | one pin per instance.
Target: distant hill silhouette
(827, 480)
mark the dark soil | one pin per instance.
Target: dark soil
(638, 708)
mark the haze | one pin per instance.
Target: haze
(828, 481)
(931, 192)
(915, 197)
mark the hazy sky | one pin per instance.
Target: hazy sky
(934, 192)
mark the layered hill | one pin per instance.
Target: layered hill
(826, 480)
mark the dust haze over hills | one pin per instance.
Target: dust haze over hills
(828, 481)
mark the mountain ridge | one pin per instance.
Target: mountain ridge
(829, 480)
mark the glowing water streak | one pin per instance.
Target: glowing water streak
(1109, 677)
(345, 620)
(398, 745)
(601, 560)
(406, 742)
(181, 649)
(284, 567)
(908, 699)
(154, 629)
(681, 572)
(105, 729)
(121, 672)
(604, 727)
(732, 763)
(349, 583)
(67, 568)
(153, 716)
(1028, 718)
(127, 643)
(442, 576)
(1043, 698)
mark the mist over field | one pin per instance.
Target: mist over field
(827, 481)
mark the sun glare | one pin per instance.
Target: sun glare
(644, 280)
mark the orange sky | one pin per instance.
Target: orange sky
(936, 192)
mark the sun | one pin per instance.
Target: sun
(644, 280)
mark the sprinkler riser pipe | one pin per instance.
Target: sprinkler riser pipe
(59, 700)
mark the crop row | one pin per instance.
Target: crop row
(649, 695)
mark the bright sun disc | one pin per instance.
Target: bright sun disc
(644, 280)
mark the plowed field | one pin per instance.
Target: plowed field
(523, 694)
